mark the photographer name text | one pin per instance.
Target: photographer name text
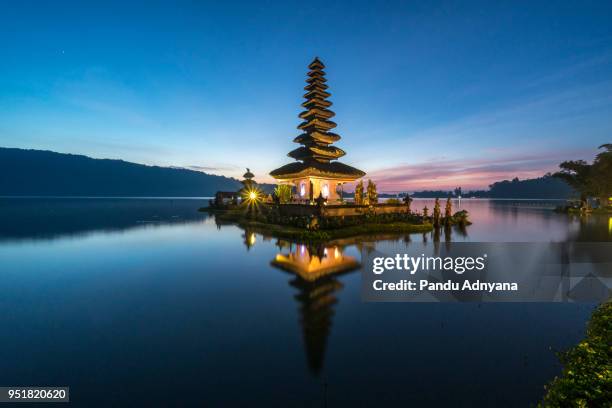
(424, 284)
(413, 264)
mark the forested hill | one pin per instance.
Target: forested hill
(541, 187)
(546, 187)
(45, 173)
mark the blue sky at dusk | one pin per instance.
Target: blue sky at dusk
(426, 95)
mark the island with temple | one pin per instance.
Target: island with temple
(308, 201)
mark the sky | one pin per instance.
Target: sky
(427, 95)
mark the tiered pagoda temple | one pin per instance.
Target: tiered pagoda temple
(316, 172)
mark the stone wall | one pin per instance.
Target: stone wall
(340, 210)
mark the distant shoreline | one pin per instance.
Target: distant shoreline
(115, 197)
(210, 198)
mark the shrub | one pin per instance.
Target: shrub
(371, 193)
(359, 193)
(284, 193)
(587, 372)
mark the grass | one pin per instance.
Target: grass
(301, 234)
(586, 380)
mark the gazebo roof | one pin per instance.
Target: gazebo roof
(330, 170)
(248, 175)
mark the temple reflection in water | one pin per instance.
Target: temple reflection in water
(314, 262)
(316, 269)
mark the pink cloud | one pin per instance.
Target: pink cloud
(470, 174)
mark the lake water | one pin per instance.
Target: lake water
(148, 301)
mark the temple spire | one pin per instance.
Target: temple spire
(317, 139)
(316, 171)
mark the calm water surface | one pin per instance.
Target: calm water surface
(147, 301)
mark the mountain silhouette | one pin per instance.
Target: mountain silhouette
(46, 173)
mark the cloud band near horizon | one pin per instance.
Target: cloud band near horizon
(473, 174)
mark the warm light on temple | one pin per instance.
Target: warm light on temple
(311, 264)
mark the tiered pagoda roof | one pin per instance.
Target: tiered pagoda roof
(316, 153)
(248, 181)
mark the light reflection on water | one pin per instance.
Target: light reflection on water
(160, 298)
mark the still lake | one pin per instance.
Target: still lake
(134, 301)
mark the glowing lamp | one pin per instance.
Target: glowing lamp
(325, 190)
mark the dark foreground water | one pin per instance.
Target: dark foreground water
(146, 301)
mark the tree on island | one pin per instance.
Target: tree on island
(436, 212)
(359, 193)
(448, 211)
(590, 180)
(407, 201)
(372, 194)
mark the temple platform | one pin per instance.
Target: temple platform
(343, 210)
